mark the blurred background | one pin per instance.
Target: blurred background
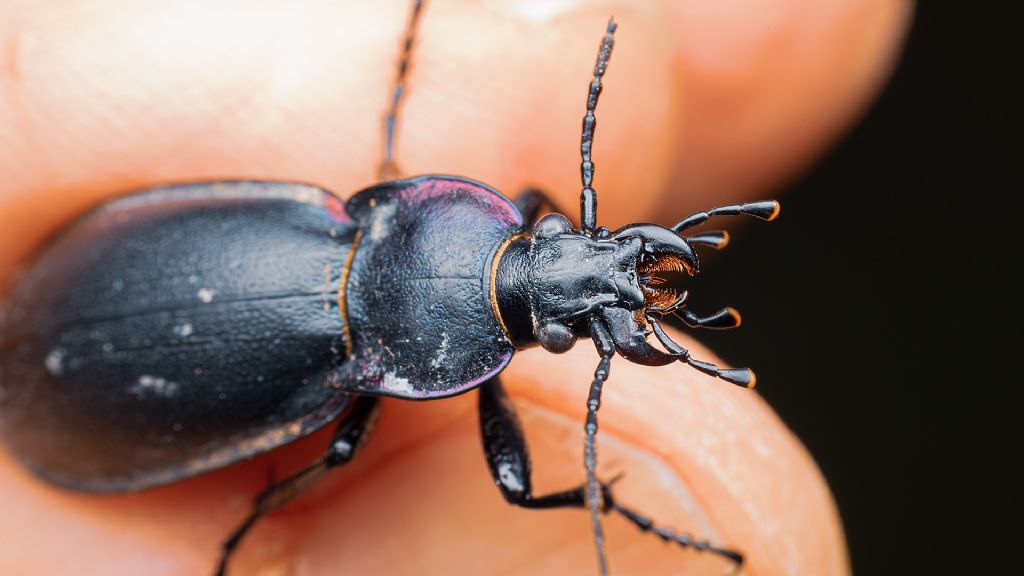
(889, 297)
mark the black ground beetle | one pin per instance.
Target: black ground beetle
(182, 329)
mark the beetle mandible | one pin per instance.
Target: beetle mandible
(106, 389)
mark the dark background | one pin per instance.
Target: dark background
(877, 309)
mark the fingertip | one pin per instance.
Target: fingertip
(769, 85)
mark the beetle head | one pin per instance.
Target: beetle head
(622, 276)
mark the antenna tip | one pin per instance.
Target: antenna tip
(612, 25)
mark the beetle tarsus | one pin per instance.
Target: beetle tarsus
(232, 542)
(645, 524)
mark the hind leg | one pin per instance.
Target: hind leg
(352, 432)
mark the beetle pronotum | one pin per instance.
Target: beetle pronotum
(182, 329)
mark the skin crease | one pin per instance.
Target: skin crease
(703, 105)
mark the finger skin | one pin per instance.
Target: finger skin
(297, 91)
(101, 97)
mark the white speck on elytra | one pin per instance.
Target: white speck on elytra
(155, 385)
(205, 295)
(55, 361)
(185, 330)
(383, 221)
(394, 383)
(442, 352)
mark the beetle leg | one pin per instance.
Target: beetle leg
(353, 431)
(533, 203)
(509, 461)
(645, 524)
(507, 455)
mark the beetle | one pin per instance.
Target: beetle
(182, 329)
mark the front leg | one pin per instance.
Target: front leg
(509, 461)
(507, 455)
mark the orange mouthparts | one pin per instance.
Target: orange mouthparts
(657, 279)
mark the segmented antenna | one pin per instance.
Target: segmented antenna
(588, 197)
(388, 168)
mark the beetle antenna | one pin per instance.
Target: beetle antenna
(588, 197)
(388, 169)
(739, 376)
(594, 491)
(763, 209)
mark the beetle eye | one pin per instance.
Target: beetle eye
(552, 225)
(555, 337)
